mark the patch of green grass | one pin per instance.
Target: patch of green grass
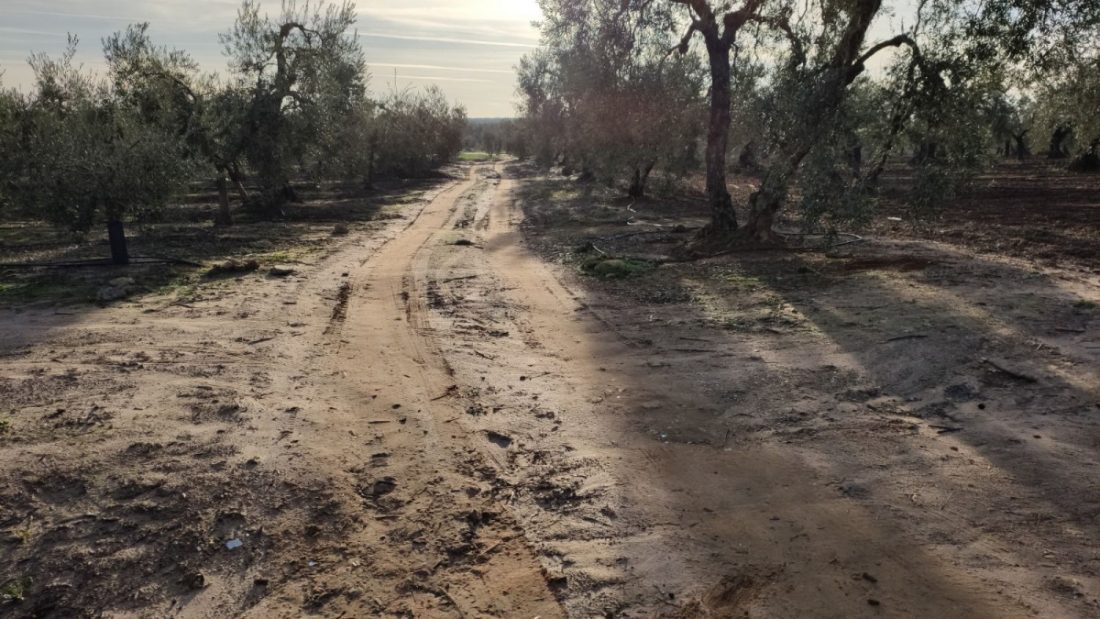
(474, 155)
(280, 256)
(606, 267)
(180, 283)
(5, 426)
(15, 590)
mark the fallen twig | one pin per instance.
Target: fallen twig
(458, 279)
(911, 336)
(449, 392)
(857, 239)
(1012, 373)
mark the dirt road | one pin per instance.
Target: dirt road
(435, 422)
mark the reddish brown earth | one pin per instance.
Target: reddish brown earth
(443, 418)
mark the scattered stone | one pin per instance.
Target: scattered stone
(463, 243)
(282, 270)
(498, 439)
(383, 487)
(234, 544)
(195, 581)
(340, 229)
(233, 267)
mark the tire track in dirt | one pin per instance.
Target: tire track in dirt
(448, 544)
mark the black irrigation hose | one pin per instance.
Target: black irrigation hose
(855, 237)
(94, 263)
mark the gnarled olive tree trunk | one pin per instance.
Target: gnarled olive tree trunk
(723, 219)
(638, 182)
(116, 237)
(719, 34)
(224, 217)
(817, 116)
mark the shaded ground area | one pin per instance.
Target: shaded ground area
(185, 231)
(1034, 209)
(949, 396)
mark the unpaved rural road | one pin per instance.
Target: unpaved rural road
(433, 424)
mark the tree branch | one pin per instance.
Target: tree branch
(682, 46)
(898, 41)
(782, 24)
(735, 20)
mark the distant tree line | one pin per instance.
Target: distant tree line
(83, 150)
(781, 89)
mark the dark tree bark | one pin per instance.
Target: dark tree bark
(723, 219)
(766, 201)
(116, 236)
(224, 216)
(747, 159)
(235, 175)
(1022, 150)
(638, 182)
(1058, 140)
(719, 35)
(855, 159)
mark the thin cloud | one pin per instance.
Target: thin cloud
(437, 78)
(432, 67)
(409, 37)
(36, 33)
(79, 15)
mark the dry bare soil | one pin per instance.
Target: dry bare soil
(504, 402)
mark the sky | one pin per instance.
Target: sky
(469, 48)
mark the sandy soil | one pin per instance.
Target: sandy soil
(443, 419)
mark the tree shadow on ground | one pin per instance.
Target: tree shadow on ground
(898, 373)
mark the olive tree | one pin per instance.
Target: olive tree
(603, 96)
(12, 106)
(300, 71)
(94, 153)
(414, 132)
(1051, 47)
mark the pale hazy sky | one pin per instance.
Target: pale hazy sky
(467, 47)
